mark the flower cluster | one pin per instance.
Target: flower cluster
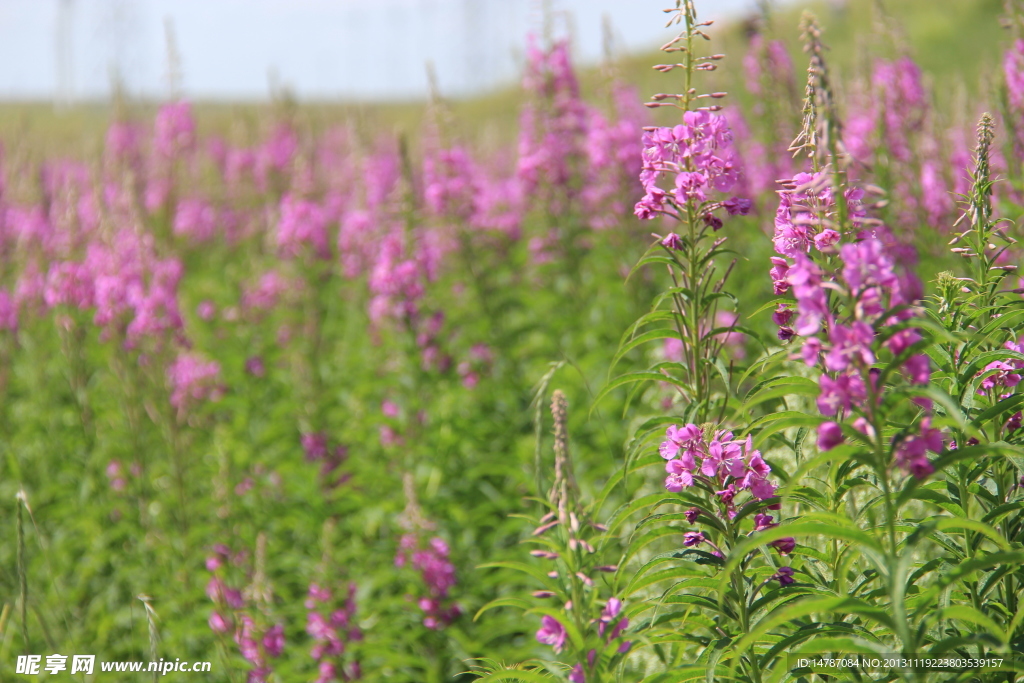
(302, 228)
(722, 460)
(572, 156)
(877, 294)
(903, 103)
(193, 380)
(1013, 71)
(332, 632)
(257, 642)
(450, 183)
(610, 627)
(698, 156)
(807, 216)
(438, 575)
(174, 131)
(317, 449)
(1001, 375)
(479, 362)
(258, 646)
(398, 281)
(134, 294)
(196, 220)
(553, 124)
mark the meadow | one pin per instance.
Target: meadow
(703, 372)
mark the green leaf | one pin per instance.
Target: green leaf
(524, 675)
(803, 608)
(640, 581)
(535, 572)
(970, 615)
(683, 674)
(776, 422)
(503, 602)
(632, 377)
(652, 335)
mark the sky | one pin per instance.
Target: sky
(319, 49)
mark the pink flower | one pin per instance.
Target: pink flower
(206, 310)
(192, 380)
(693, 538)
(911, 452)
(552, 633)
(195, 220)
(218, 624)
(174, 129)
(672, 241)
(840, 393)
(784, 545)
(678, 476)
(830, 435)
(303, 225)
(784, 576)
(1002, 375)
(609, 614)
(779, 273)
(782, 315)
(254, 366)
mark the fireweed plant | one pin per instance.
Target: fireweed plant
(581, 619)
(903, 532)
(264, 387)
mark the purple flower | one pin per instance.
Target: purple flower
(1002, 375)
(779, 274)
(825, 239)
(911, 453)
(195, 220)
(812, 307)
(810, 351)
(672, 241)
(678, 476)
(174, 129)
(919, 368)
(782, 315)
(784, 545)
(254, 366)
(192, 380)
(610, 615)
(830, 435)
(693, 538)
(867, 265)
(760, 488)
(1013, 69)
(702, 142)
(315, 446)
(303, 225)
(737, 206)
(850, 344)
(784, 576)
(841, 392)
(273, 641)
(552, 633)
(218, 624)
(902, 340)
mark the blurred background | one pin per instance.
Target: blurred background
(69, 50)
(69, 67)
